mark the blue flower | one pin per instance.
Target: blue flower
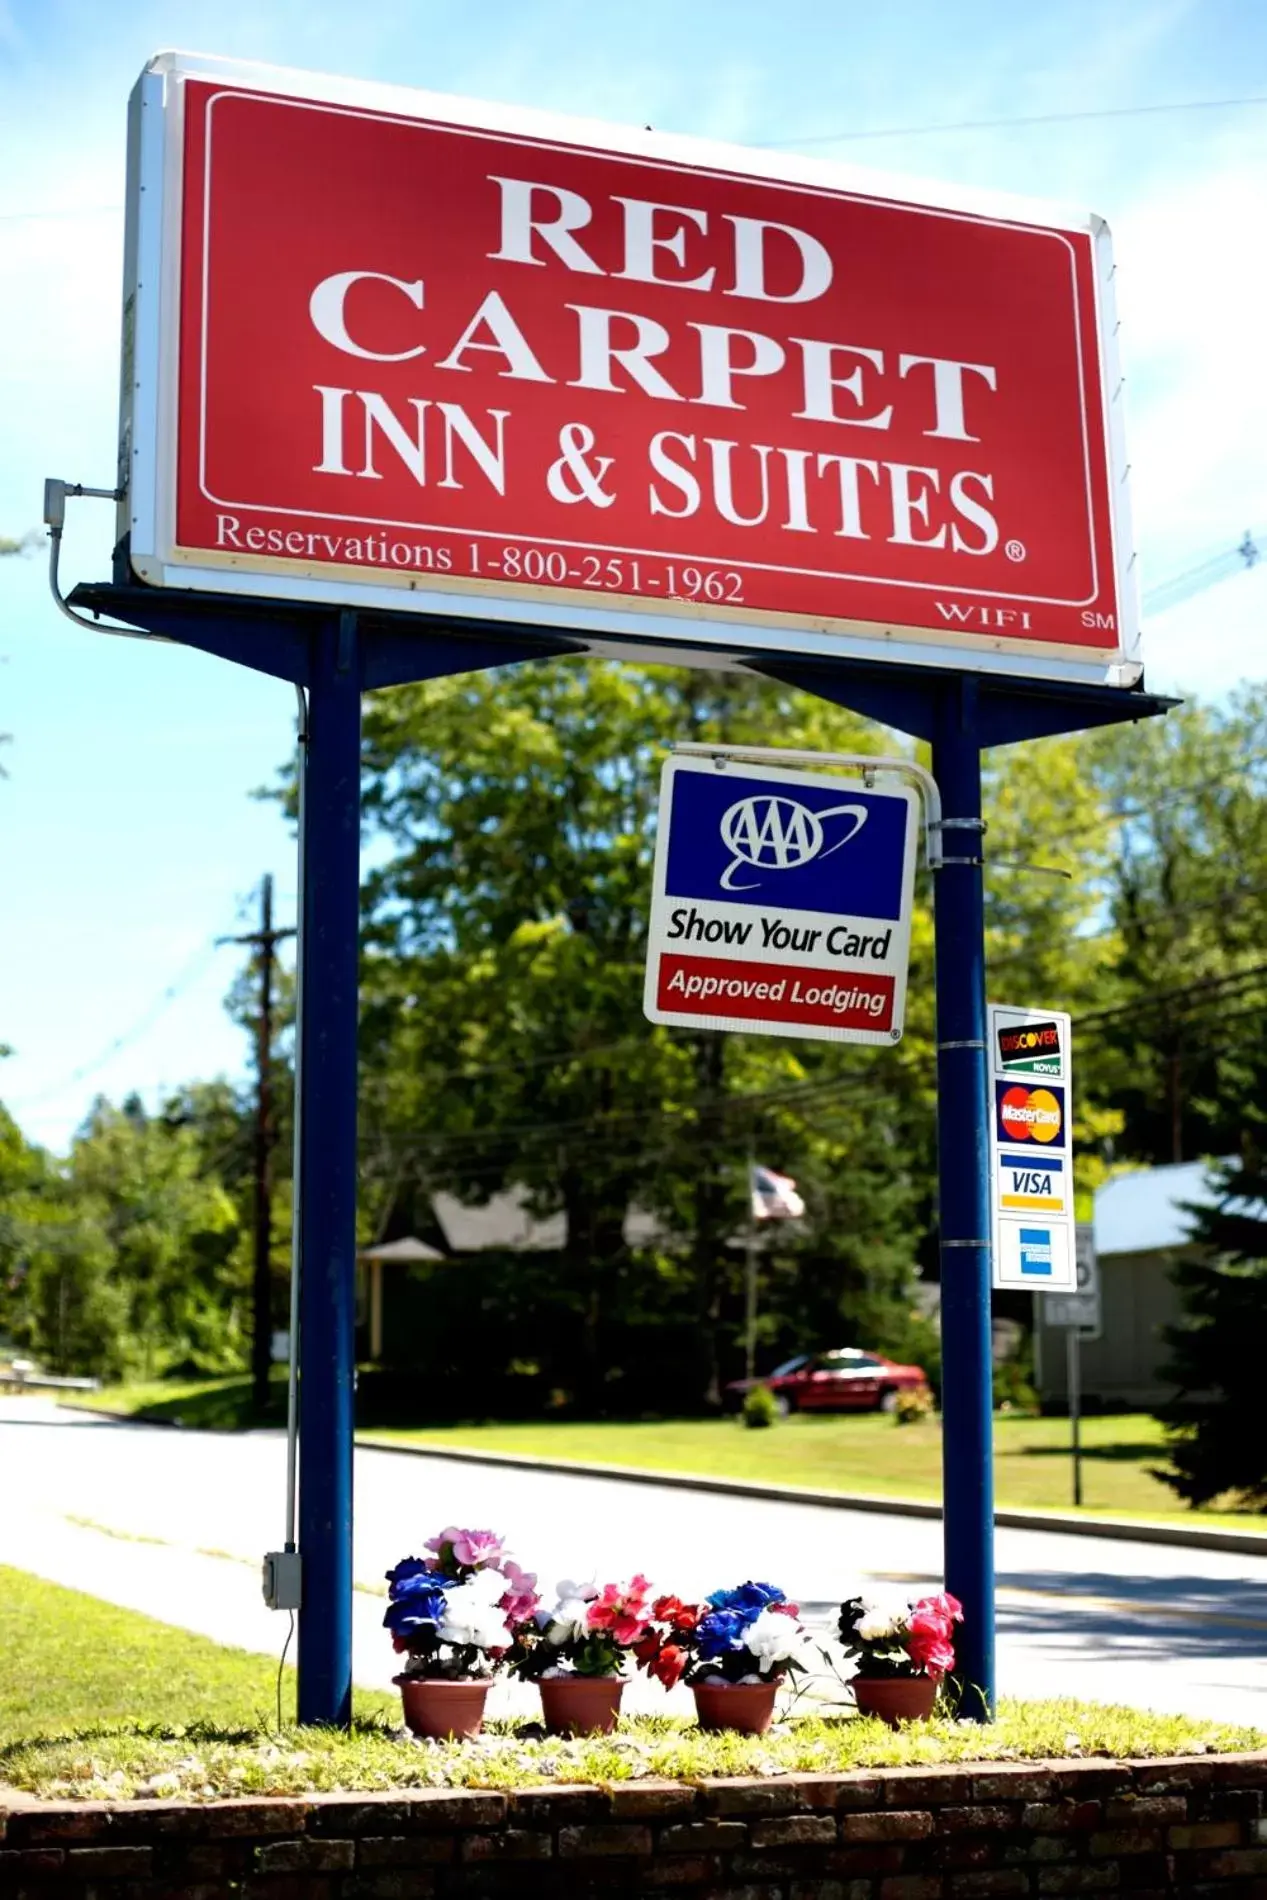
(415, 1609)
(412, 1576)
(721, 1631)
(747, 1599)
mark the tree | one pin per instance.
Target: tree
(503, 1040)
(1215, 1422)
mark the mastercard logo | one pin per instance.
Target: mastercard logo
(1030, 1114)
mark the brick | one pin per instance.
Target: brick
(1232, 1804)
(204, 1860)
(1182, 1773)
(1132, 1809)
(558, 1807)
(1048, 1847)
(29, 1860)
(613, 1838)
(250, 1815)
(821, 1793)
(867, 1860)
(401, 1883)
(990, 1820)
(795, 1830)
(1236, 1860)
(704, 1837)
(759, 1891)
(1260, 1831)
(444, 1808)
(1204, 1834)
(993, 1880)
(911, 1887)
(928, 1788)
(305, 1857)
(37, 1827)
(860, 1792)
(1125, 1840)
(290, 1887)
(509, 1843)
(109, 1863)
(692, 1871)
(404, 1850)
(1078, 1879)
(752, 1797)
(1021, 1782)
(650, 1800)
(1059, 1817)
(962, 1851)
(895, 1825)
(830, 1890)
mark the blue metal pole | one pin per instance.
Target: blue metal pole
(964, 1194)
(327, 1184)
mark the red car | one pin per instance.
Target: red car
(846, 1380)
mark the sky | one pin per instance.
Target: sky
(131, 833)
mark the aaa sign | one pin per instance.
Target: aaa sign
(389, 349)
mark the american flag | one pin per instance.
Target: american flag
(774, 1196)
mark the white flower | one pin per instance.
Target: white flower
(882, 1616)
(774, 1639)
(568, 1621)
(472, 1620)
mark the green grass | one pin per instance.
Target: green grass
(208, 1405)
(867, 1454)
(873, 1455)
(100, 1703)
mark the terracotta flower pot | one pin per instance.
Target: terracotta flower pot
(446, 1711)
(896, 1699)
(746, 1706)
(581, 1705)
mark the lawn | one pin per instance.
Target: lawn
(873, 1455)
(869, 1454)
(100, 1703)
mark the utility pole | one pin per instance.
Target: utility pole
(264, 941)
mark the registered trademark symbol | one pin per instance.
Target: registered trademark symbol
(1015, 550)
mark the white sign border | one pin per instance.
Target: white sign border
(150, 373)
(747, 1025)
(999, 1216)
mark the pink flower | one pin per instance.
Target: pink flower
(521, 1601)
(928, 1631)
(943, 1605)
(622, 1610)
(471, 1550)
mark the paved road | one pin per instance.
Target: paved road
(173, 1523)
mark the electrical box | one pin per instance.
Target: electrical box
(283, 1579)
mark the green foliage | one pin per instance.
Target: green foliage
(760, 1408)
(912, 1404)
(1216, 1439)
(100, 1703)
(122, 1257)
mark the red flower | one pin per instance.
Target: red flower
(928, 1635)
(647, 1649)
(672, 1610)
(949, 1608)
(670, 1665)
(400, 1646)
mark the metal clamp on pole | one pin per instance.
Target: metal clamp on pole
(865, 763)
(56, 494)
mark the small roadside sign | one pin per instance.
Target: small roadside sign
(781, 902)
(1080, 1309)
(1031, 1148)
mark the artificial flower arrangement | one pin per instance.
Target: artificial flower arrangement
(576, 1652)
(902, 1647)
(453, 1615)
(734, 1651)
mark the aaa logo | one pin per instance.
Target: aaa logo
(772, 832)
(1030, 1114)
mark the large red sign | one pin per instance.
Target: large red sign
(491, 370)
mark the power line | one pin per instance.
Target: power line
(995, 125)
(195, 968)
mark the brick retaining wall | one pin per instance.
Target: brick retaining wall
(983, 1832)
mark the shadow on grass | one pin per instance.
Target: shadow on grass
(1119, 1454)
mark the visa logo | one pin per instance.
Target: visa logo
(1027, 1181)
